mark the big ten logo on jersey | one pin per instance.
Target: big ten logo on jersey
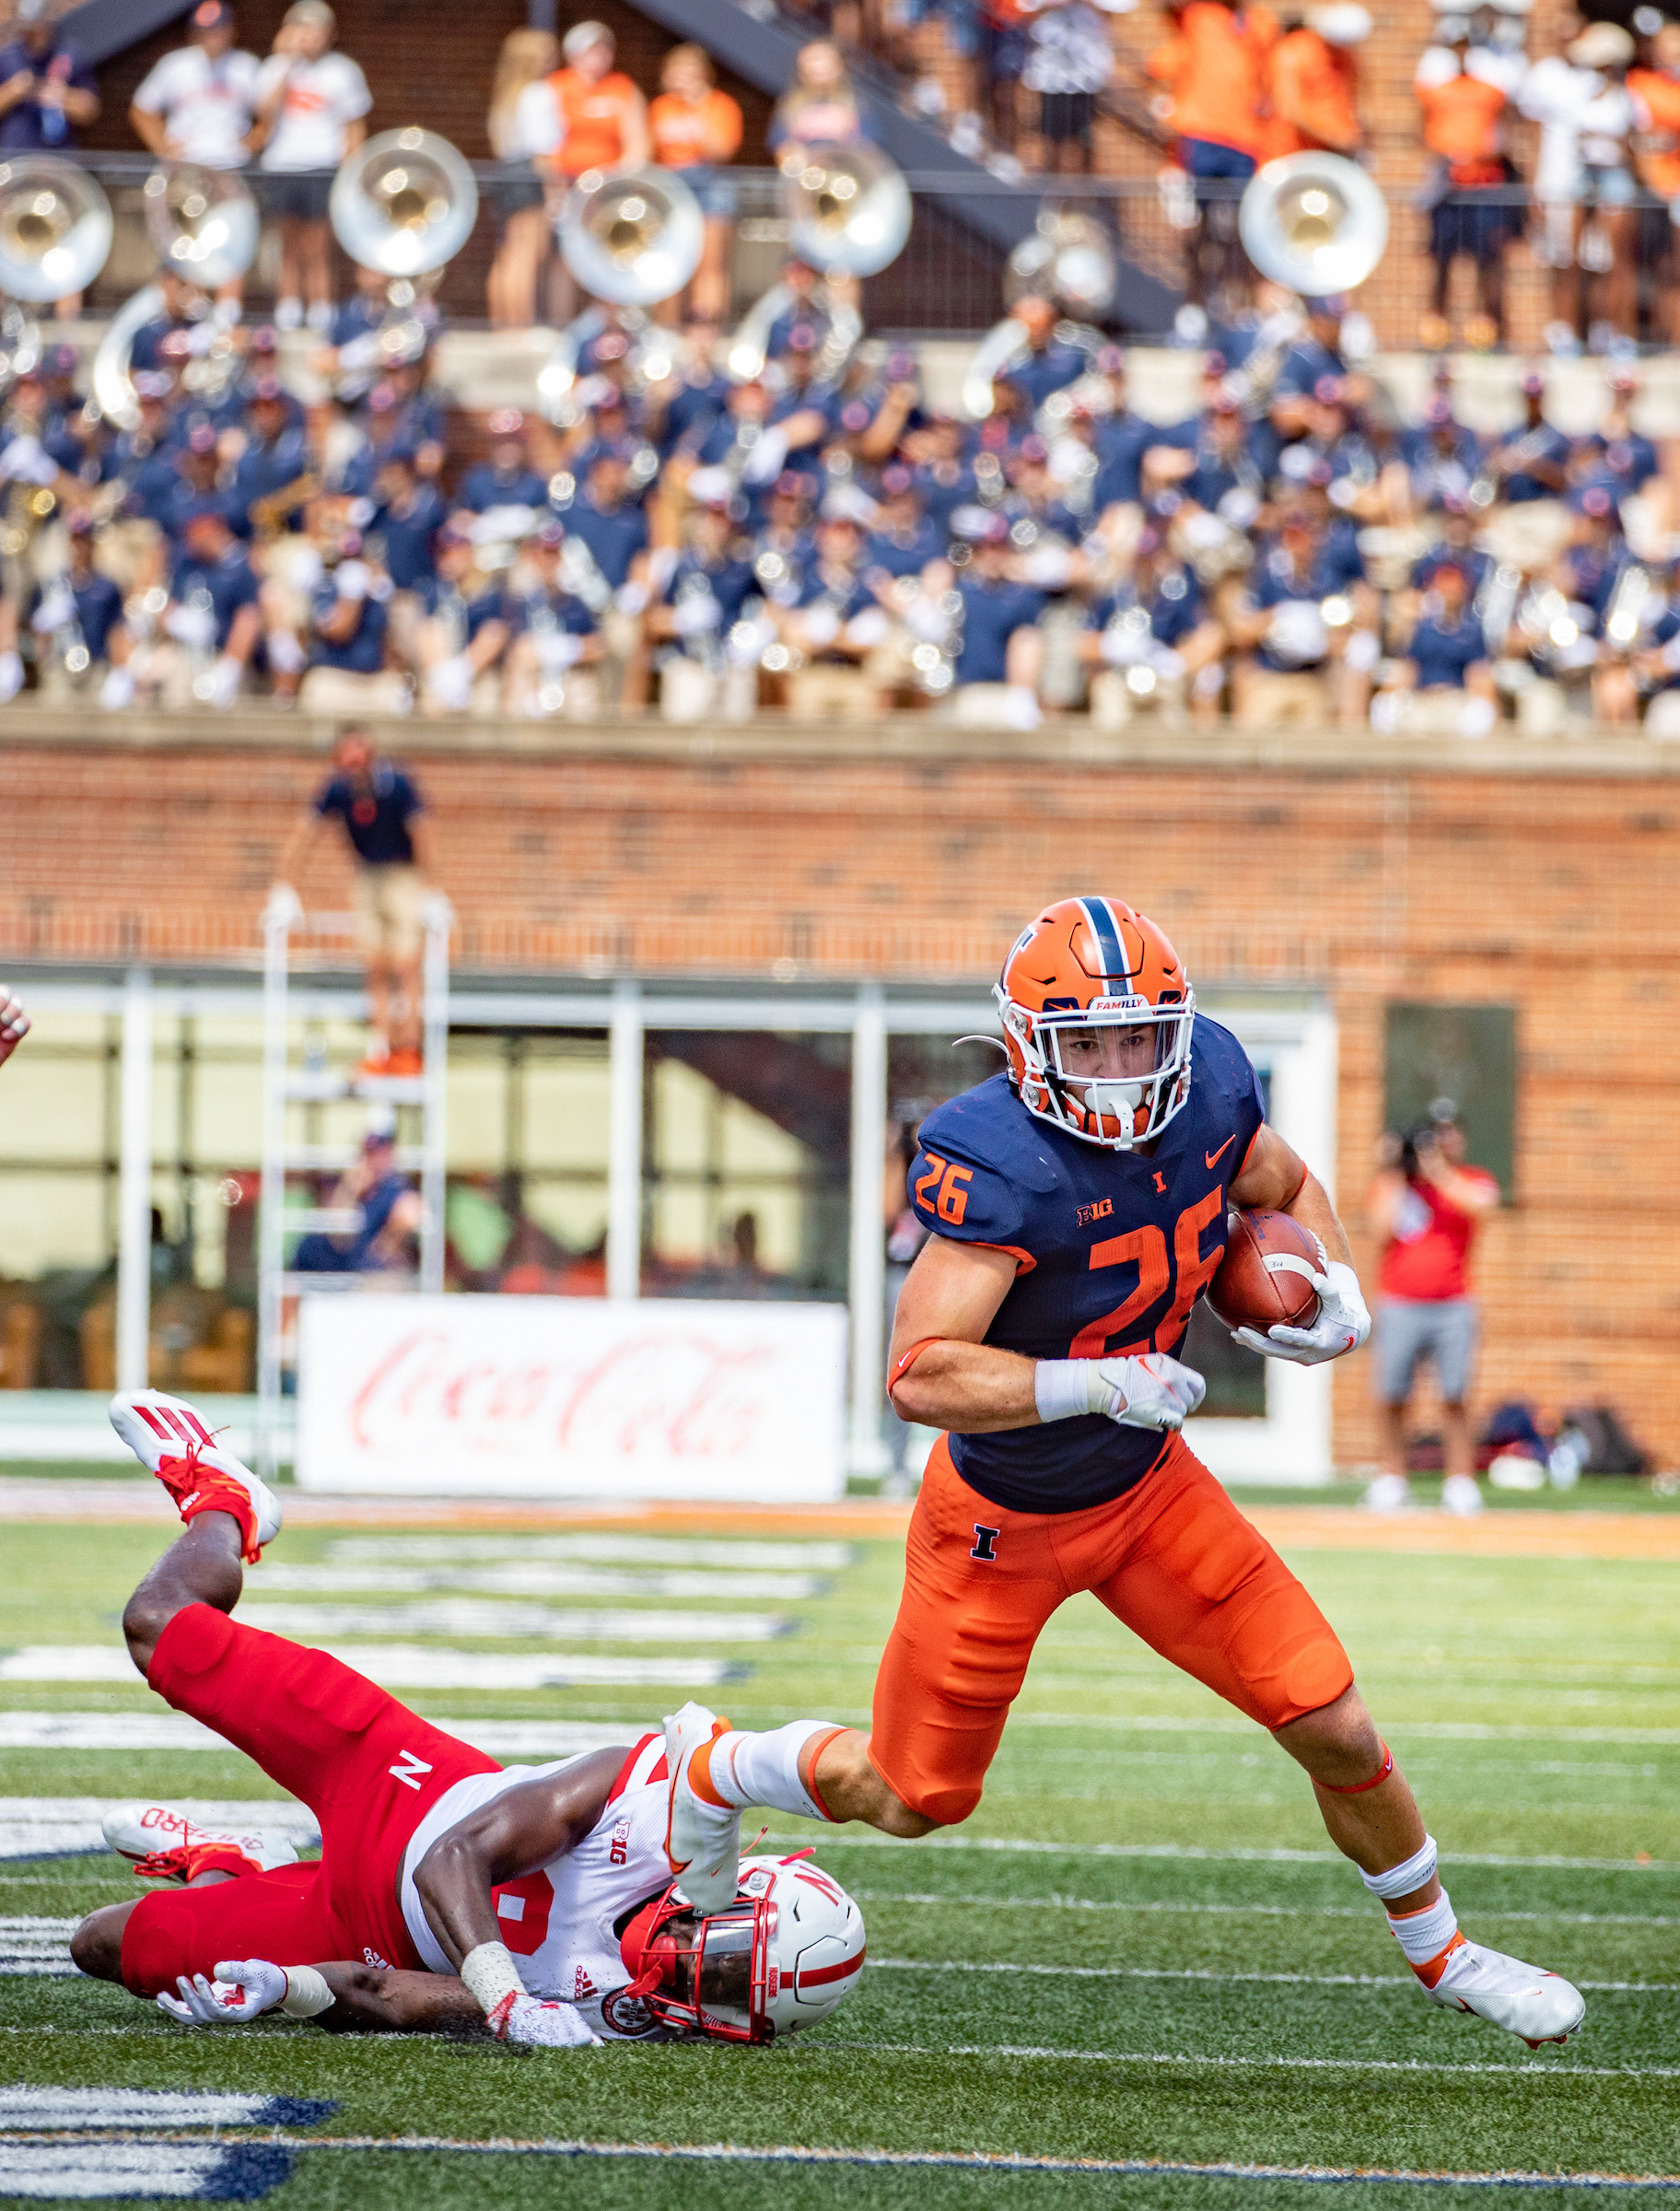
(618, 1852)
(522, 1911)
(1086, 1214)
(373, 1958)
(1171, 1277)
(943, 1189)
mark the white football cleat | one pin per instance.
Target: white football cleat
(702, 1839)
(163, 1845)
(1388, 1493)
(1524, 1999)
(170, 1440)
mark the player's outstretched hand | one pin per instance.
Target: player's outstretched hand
(13, 1022)
(1342, 1325)
(547, 2026)
(1152, 1392)
(243, 1989)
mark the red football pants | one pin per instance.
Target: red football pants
(366, 1767)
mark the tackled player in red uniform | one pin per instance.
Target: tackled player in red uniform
(536, 1904)
(1078, 1204)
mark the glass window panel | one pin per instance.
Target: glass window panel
(477, 1121)
(1464, 1053)
(54, 1104)
(564, 1104)
(55, 1220)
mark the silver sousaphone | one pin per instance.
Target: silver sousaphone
(631, 240)
(1069, 260)
(55, 234)
(205, 225)
(849, 213)
(403, 204)
(1314, 223)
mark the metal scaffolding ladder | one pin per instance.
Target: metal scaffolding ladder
(284, 1083)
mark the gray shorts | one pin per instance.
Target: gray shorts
(1410, 1328)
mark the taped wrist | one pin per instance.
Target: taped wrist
(1061, 1387)
(1400, 1880)
(306, 1994)
(493, 1977)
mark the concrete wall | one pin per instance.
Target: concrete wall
(1535, 876)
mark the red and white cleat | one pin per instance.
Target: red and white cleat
(702, 1838)
(172, 1441)
(1524, 1999)
(163, 1845)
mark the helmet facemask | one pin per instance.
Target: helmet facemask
(1113, 1072)
(707, 1976)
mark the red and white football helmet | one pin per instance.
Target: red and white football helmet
(788, 1950)
(1097, 1017)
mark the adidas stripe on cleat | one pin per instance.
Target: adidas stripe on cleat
(170, 1440)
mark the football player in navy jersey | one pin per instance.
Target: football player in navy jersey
(1078, 1205)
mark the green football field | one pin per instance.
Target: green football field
(1140, 1954)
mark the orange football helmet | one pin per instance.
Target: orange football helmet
(1097, 1020)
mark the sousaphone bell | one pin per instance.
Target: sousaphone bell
(632, 240)
(55, 233)
(403, 204)
(1314, 223)
(205, 225)
(849, 213)
(1069, 261)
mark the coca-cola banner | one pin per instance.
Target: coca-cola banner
(572, 1397)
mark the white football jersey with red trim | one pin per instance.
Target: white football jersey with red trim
(558, 1922)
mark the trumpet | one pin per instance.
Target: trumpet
(206, 226)
(1314, 223)
(630, 239)
(405, 205)
(849, 213)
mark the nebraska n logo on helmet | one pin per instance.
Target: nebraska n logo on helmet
(1097, 1021)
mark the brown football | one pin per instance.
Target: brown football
(1248, 1294)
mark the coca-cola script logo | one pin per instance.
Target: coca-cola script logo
(667, 1393)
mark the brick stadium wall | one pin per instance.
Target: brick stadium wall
(1368, 883)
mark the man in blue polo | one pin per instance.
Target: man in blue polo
(998, 642)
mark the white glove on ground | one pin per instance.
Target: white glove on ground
(242, 1990)
(524, 2019)
(1342, 1325)
(1149, 1391)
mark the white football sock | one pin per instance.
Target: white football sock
(1424, 1934)
(748, 1768)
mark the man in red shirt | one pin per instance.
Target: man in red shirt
(1426, 1203)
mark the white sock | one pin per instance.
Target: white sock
(1424, 1934)
(749, 1768)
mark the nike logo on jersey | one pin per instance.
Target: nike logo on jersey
(1213, 1158)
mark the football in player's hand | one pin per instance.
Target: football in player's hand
(1251, 1290)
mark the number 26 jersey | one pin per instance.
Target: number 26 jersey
(1112, 1251)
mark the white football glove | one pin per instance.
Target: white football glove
(522, 2018)
(242, 1990)
(1342, 1325)
(1150, 1391)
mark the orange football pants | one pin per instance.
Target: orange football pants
(1173, 1559)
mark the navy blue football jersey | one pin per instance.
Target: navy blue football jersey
(1113, 1249)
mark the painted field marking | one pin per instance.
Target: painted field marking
(1014, 1846)
(408, 1665)
(531, 1577)
(1532, 2071)
(36, 1948)
(491, 1616)
(1466, 1731)
(166, 2171)
(600, 1551)
(728, 2153)
(41, 1827)
(175, 1731)
(1162, 1973)
(1088, 1903)
(31, 2111)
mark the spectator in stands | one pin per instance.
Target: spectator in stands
(1306, 624)
(389, 1212)
(1217, 69)
(199, 101)
(692, 614)
(998, 644)
(381, 810)
(1003, 55)
(695, 131)
(506, 478)
(523, 127)
(1314, 81)
(551, 638)
(601, 122)
(1427, 1204)
(1656, 97)
(819, 108)
(211, 625)
(346, 643)
(1069, 61)
(1471, 210)
(1150, 643)
(312, 103)
(457, 640)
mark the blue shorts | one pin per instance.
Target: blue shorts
(1207, 157)
(717, 191)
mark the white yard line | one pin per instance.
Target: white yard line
(408, 1665)
(1153, 1972)
(38, 1826)
(174, 1731)
(466, 1616)
(61, 2172)
(869, 1841)
(1561, 2069)
(528, 1577)
(1087, 1903)
(1467, 1731)
(602, 1549)
(38, 2110)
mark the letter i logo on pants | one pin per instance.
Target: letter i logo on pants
(984, 1543)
